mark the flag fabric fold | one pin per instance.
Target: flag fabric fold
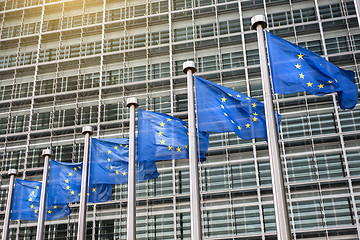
(26, 201)
(65, 184)
(109, 162)
(296, 69)
(220, 109)
(164, 137)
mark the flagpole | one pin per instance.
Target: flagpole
(196, 231)
(87, 131)
(5, 233)
(42, 206)
(131, 103)
(258, 23)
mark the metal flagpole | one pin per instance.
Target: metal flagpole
(131, 103)
(42, 206)
(87, 131)
(5, 233)
(258, 23)
(196, 231)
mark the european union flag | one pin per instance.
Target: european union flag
(26, 201)
(109, 162)
(296, 69)
(220, 109)
(65, 185)
(164, 137)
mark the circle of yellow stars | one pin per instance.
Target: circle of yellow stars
(302, 76)
(162, 141)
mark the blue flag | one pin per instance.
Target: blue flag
(109, 162)
(220, 109)
(296, 69)
(163, 137)
(65, 185)
(26, 201)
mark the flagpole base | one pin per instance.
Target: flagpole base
(258, 19)
(189, 65)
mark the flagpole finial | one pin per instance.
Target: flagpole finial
(12, 172)
(132, 101)
(47, 152)
(258, 19)
(87, 129)
(189, 65)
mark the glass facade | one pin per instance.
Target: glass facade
(65, 64)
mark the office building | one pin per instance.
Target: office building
(71, 63)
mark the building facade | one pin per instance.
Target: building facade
(70, 63)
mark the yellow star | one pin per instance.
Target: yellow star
(225, 114)
(109, 152)
(254, 105)
(186, 146)
(67, 180)
(336, 80)
(126, 146)
(35, 211)
(108, 159)
(223, 99)
(67, 187)
(94, 189)
(70, 174)
(111, 167)
(187, 133)
(79, 167)
(169, 119)
(162, 124)
(232, 121)
(298, 66)
(239, 128)
(222, 106)
(32, 206)
(255, 114)
(49, 211)
(120, 145)
(88, 194)
(301, 75)
(170, 148)
(160, 133)
(309, 84)
(75, 169)
(238, 95)
(30, 199)
(162, 142)
(247, 125)
(229, 94)
(300, 56)
(321, 86)
(115, 147)
(79, 194)
(329, 81)
(117, 172)
(247, 98)
(124, 173)
(33, 192)
(254, 119)
(178, 149)
(72, 192)
(55, 207)
(37, 187)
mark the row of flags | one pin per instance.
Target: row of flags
(164, 137)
